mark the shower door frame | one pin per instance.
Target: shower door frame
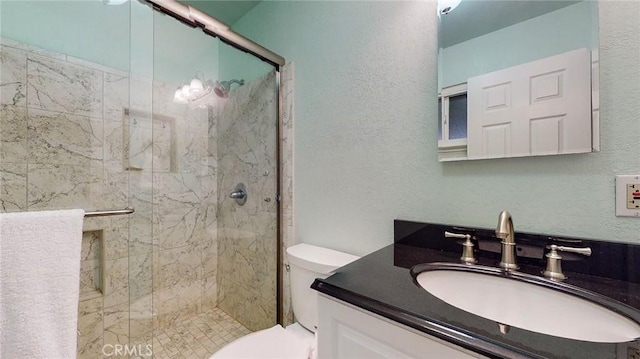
(193, 17)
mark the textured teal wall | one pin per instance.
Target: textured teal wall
(235, 64)
(113, 36)
(180, 51)
(366, 139)
(85, 29)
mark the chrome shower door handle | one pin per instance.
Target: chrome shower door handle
(239, 194)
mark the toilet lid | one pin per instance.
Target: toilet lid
(274, 342)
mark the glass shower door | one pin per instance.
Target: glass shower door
(214, 126)
(247, 140)
(68, 79)
(96, 115)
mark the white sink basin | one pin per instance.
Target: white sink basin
(526, 304)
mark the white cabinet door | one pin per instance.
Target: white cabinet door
(347, 332)
(538, 108)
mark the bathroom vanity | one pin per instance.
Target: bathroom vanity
(356, 333)
(374, 308)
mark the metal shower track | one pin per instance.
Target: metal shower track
(196, 18)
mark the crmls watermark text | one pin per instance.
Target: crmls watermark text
(116, 350)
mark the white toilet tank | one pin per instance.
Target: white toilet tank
(307, 263)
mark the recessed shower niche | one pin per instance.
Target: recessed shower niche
(91, 265)
(149, 141)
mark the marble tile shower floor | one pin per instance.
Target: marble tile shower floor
(198, 337)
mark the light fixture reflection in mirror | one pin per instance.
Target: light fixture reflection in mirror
(486, 39)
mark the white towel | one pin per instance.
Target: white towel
(39, 283)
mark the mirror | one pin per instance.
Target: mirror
(517, 78)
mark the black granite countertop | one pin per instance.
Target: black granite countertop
(381, 283)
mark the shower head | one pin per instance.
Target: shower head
(222, 89)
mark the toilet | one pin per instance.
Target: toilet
(297, 341)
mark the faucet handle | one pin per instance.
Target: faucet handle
(583, 251)
(457, 235)
(467, 247)
(554, 268)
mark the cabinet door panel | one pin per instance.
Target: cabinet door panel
(546, 135)
(346, 332)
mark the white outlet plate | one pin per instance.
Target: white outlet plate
(625, 203)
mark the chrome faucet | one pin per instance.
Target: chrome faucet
(505, 232)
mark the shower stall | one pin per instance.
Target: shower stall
(111, 105)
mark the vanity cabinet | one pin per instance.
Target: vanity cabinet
(347, 332)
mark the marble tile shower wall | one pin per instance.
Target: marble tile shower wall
(287, 231)
(247, 235)
(184, 211)
(62, 145)
(57, 150)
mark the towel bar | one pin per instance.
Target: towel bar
(114, 212)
